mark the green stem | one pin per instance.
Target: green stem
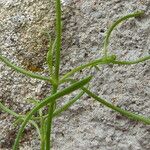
(67, 105)
(57, 67)
(121, 111)
(42, 130)
(113, 107)
(25, 72)
(106, 41)
(46, 101)
(5, 109)
(49, 121)
(131, 62)
(58, 35)
(107, 60)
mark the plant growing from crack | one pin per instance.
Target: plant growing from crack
(42, 122)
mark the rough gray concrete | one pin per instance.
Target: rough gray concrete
(87, 125)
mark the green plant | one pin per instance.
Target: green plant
(43, 123)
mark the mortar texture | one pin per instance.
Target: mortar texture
(25, 26)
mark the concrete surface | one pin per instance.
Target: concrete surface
(87, 125)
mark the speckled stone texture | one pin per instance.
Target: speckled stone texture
(87, 125)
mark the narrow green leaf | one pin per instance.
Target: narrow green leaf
(67, 105)
(131, 62)
(109, 31)
(121, 111)
(50, 56)
(107, 60)
(23, 71)
(6, 109)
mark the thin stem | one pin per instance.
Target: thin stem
(49, 121)
(6, 109)
(25, 72)
(131, 62)
(46, 101)
(109, 31)
(107, 60)
(58, 35)
(57, 66)
(42, 130)
(121, 111)
(58, 111)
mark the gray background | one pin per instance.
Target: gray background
(87, 125)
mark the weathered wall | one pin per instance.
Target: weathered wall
(87, 125)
